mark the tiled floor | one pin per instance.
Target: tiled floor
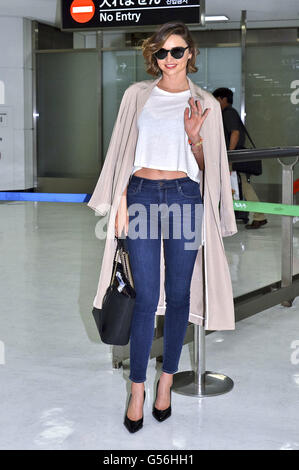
(58, 388)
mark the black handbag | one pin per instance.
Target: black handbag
(114, 319)
(253, 167)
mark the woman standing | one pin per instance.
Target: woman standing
(157, 157)
(166, 170)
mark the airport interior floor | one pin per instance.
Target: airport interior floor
(58, 387)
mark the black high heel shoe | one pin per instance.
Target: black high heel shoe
(161, 415)
(133, 426)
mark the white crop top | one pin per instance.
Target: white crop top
(162, 140)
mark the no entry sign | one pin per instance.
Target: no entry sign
(82, 10)
(100, 14)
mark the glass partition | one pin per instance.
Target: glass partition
(254, 256)
(67, 103)
(272, 102)
(119, 72)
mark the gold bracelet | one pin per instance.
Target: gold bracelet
(198, 144)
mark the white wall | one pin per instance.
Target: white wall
(16, 146)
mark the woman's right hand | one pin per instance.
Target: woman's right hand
(122, 218)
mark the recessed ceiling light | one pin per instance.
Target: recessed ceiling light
(216, 18)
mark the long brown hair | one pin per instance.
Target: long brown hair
(157, 39)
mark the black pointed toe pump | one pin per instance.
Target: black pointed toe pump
(133, 426)
(161, 415)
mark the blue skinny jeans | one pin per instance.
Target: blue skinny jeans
(181, 230)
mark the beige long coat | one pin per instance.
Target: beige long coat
(211, 297)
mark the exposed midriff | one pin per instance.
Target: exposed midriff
(154, 174)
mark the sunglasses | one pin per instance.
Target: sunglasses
(176, 52)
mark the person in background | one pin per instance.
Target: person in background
(235, 139)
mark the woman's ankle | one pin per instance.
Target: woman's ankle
(166, 378)
(137, 387)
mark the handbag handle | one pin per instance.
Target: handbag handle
(126, 263)
(114, 265)
(124, 257)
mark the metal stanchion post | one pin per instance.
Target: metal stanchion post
(201, 383)
(287, 228)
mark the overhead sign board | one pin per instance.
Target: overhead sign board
(101, 14)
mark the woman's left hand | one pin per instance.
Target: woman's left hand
(194, 123)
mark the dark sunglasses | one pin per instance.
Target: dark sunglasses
(176, 52)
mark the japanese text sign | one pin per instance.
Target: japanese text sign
(98, 14)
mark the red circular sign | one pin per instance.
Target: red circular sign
(82, 10)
